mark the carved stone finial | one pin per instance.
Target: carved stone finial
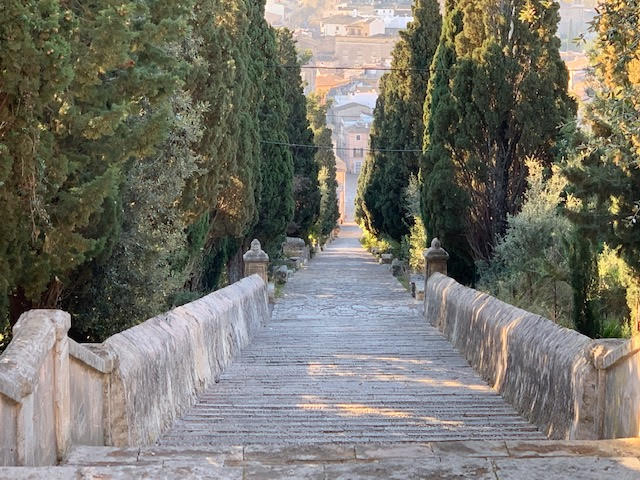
(255, 253)
(435, 258)
(256, 260)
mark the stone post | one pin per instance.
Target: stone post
(62, 386)
(256, 261)
(435, 259)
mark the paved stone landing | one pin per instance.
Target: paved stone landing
(347, 357)
(474, 460)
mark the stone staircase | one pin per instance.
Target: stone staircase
(347, 357)
(349, 382)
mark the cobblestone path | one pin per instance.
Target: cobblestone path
(347, 357)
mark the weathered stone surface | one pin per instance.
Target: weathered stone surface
(435, 259)
(618, 362)
(386, 258)
(296, 247)
(583, 468)
(102, 456)
(485, 448)
(34, 390)
(256, 261)
(87, 399)
(394, 450)
(434, 468)
(542, 369)
(278, 472)
(281, 274)
(397, 267)
(627, 447)
(22, 360)
(166, 361)
(283, 454)
(39, 473)
(522, 460)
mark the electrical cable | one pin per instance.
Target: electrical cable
(331, 147)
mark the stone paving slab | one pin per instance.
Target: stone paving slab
(496, 460)
(561, 468)
(432, 468)
(347, 358)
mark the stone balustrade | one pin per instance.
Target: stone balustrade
(55, 392)
(569, 385)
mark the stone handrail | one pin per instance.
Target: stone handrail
(34, 385)
(572, 387)
(55, 392)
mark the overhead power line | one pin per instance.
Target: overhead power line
(382, 69)
(331, 147)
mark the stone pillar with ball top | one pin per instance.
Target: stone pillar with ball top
(256, 261)
(435, 259)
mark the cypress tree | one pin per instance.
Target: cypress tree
(502, 99)
(132, 279)
(326, 162)
(305, 169)
(398, 125)
(276, 195)
(444, 203)
(42, 218)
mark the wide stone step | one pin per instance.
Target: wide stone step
(478, 460)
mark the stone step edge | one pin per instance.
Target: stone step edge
(274, 454)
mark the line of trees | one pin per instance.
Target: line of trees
(143, 144)
(533, 206)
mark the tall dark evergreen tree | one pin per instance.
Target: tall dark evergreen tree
(398, 125)
(326, 162)
(141, 229)
(42, 215)
(143, 143)
(305, 169)
(276, 195)
(502, 99)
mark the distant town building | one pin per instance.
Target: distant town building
(393, 25)
(350, 119)
(352, 26)
(275, 13)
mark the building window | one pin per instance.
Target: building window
(358, 152)
(357, 137)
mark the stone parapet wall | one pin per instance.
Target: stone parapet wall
(126, 391)
(618, 363)
(165, 362)
(34, 390)
(557, 378)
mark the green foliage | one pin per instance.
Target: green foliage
(398, 126)
(605, 173)
(276, 195)
(326, 163)
(497, 96)
(530, 267)
(43, 209)
(133, 162)
(369, 241)
(306, 193)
